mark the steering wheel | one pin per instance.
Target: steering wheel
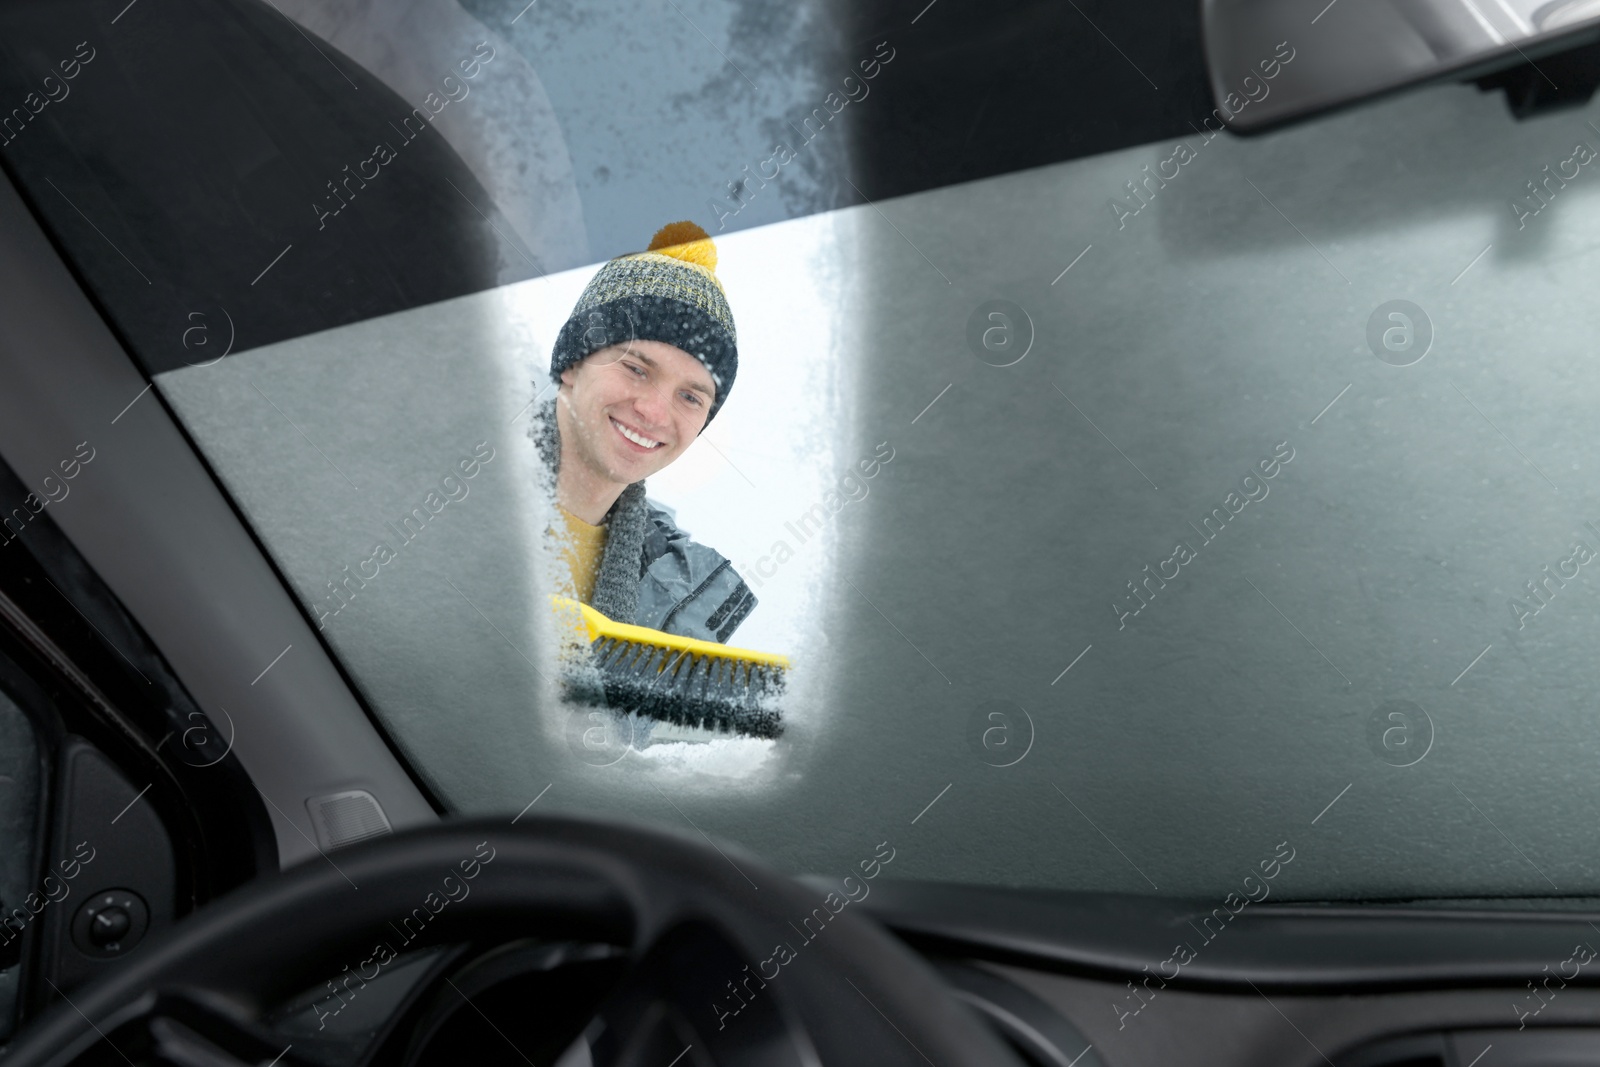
(706, 927)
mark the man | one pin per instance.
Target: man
(643, 364)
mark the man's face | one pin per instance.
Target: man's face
(618, 397)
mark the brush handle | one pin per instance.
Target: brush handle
(598, 625)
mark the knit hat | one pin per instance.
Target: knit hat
(668, 293)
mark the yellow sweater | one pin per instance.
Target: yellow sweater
(583, 547)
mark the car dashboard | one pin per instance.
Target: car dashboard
(1075, 980)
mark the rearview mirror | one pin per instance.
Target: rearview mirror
(1343, 51)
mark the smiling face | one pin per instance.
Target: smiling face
(627, 411)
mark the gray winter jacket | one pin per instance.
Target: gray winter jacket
(653, 574)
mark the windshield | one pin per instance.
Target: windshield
(1133, 509)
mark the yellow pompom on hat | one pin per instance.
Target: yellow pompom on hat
(670, 292)
(685, 241)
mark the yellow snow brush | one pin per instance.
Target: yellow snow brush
(675, 679)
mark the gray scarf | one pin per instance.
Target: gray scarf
(616, 587)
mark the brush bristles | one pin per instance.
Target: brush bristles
(709, 692)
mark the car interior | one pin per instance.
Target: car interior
(1156, 466)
